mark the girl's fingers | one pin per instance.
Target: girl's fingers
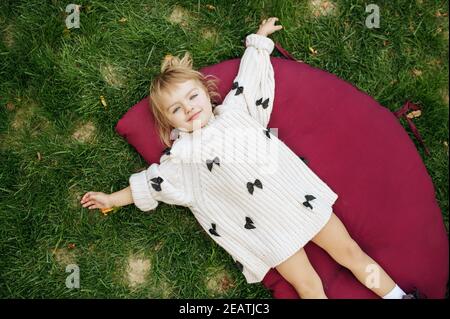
(88, 203)
(86, 196)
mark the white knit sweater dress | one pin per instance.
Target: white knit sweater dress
(251, 194)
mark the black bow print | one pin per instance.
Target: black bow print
(264, 104)
(267, 132)
(308, 198)
(250, 185)
(209, 163)
(213, 230)
(239, 266)
(239, 90)
(249, 223)
(167, 151)
(157, 180)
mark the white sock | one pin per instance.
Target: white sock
(395, 293)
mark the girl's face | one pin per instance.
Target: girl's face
(186, 103)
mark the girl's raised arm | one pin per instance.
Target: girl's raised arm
(253, 88)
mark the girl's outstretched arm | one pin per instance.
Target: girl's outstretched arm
(160, 183)
(253, 88)
(101, 200)
(122, 197)
(267, 27)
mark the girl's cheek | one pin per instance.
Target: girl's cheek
(204, 102)
(179, 118)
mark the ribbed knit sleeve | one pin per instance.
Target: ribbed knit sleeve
(159, 182)
(254, 86)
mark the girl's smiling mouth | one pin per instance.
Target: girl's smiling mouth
(193, 117)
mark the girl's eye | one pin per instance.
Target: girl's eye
(176, 109)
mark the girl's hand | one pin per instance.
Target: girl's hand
(268, 26)
(96, 200)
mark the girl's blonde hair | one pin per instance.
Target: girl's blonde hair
(174, 71)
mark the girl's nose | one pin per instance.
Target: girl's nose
(189, 108)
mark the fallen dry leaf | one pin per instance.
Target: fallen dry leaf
(39, 156)
(414, 114)
(158, 246)
(105, 211)
(71, 246)
(210, 7)
(123, 20)
(103, 101)
(312, 50)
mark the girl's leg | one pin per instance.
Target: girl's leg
(299, 272)
(336, 241)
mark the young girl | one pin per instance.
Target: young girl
(263, 217)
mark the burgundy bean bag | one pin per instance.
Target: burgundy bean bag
(359, 148)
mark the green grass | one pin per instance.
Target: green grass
(53, 80)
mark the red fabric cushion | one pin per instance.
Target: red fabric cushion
(359, 148)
